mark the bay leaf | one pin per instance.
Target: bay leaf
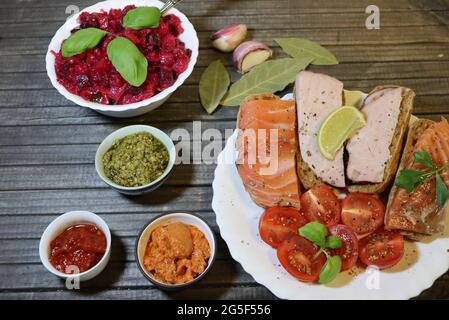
(142, 17)
(299, 47)
(128, 61)
(214, 84)
(81, 41)
(267, 77)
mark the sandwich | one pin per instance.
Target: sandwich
(417, 213)
(317, 96)
(374, 151)
(368, 161)
(267, 147)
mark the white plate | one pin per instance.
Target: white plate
(238, 217)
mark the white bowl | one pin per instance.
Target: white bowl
(61, 223)
(189, 37)
(126, 131)
(187, 218)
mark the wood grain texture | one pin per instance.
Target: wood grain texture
(47, 144)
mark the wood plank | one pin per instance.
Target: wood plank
(44, 97)
(56, 115)
(42, 135)
(255, 21)
(189, 93)
(356, 53)
(104, 200)
(24, 251)
(330, 36)
(198, 292)
(62, 176)
(242, 7)
(26, 226)
(64, 154)
(130, 278)
(31, 74)
(84, 176)
(72, 114)
(438, 290)
(115, 275)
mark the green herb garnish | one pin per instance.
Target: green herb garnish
(330, 269)
(142, 17)
(424, 158)
(128, 61)
(317, 233)
(410, 179)
(442, 192)
(333, 242)
(81, 41)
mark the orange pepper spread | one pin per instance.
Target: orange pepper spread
(176, 253)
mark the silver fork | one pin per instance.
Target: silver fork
(169, 4)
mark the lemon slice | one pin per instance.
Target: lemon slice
(353, 98)
(340, 125)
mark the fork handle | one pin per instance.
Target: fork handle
(168, 5)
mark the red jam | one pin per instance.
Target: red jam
(81, 245)
(93, 77)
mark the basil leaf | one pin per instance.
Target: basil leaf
(442, 192)
(267, 77)
(142, 17)
(333, 242)
(128, 61)
(410, 179)
(300, 48)
(330, 269)
(315, 232)
(424, 158)
(214, 84)
(81, 41)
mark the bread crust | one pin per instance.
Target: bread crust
(396, 145)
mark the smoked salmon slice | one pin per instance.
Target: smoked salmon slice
(417, 212)
(267, 146)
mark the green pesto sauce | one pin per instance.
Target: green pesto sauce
(135, 160)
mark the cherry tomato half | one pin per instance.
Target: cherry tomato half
(297, 256)
(279, 223)
(382, 249)
(349, 247)
(362, 212)
(321, 204)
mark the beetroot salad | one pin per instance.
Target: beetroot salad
(92, 76)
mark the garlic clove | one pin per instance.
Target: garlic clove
(249, 54)
(227, 39)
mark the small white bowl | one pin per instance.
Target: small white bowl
(189, 37)
(61, 223)
(126, 131)
(164, 219)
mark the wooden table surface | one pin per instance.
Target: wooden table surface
(47, 144)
